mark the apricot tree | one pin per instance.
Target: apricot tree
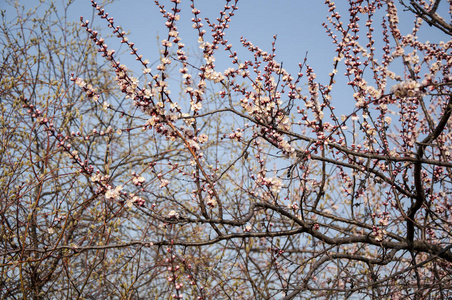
(243, 183)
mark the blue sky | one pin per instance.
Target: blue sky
(296, 23)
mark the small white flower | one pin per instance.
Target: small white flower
(113, 193)
(275, 184)
(131, 201)
(212, 202)
(95, 178)
(196, 106)
(164, 183)
(173, 215)
(80, 82)
(203, 138)
(138, 180)
(166, 60)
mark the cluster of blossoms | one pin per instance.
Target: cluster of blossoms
(273, 183)
(211, 201)
(113, 193)
(264, 103)
(409, 88)
(378, 233)
(138, 180)
(99, 178)
(91, 92)
(214, 76)
(134, 200)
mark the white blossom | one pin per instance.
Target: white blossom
(113, 193)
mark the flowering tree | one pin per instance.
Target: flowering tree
(244, 183)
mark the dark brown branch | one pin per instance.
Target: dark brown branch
(420, 194)
(431, 17)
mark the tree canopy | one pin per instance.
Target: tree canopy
(187, 181)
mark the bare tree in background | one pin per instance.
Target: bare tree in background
(190, 182)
